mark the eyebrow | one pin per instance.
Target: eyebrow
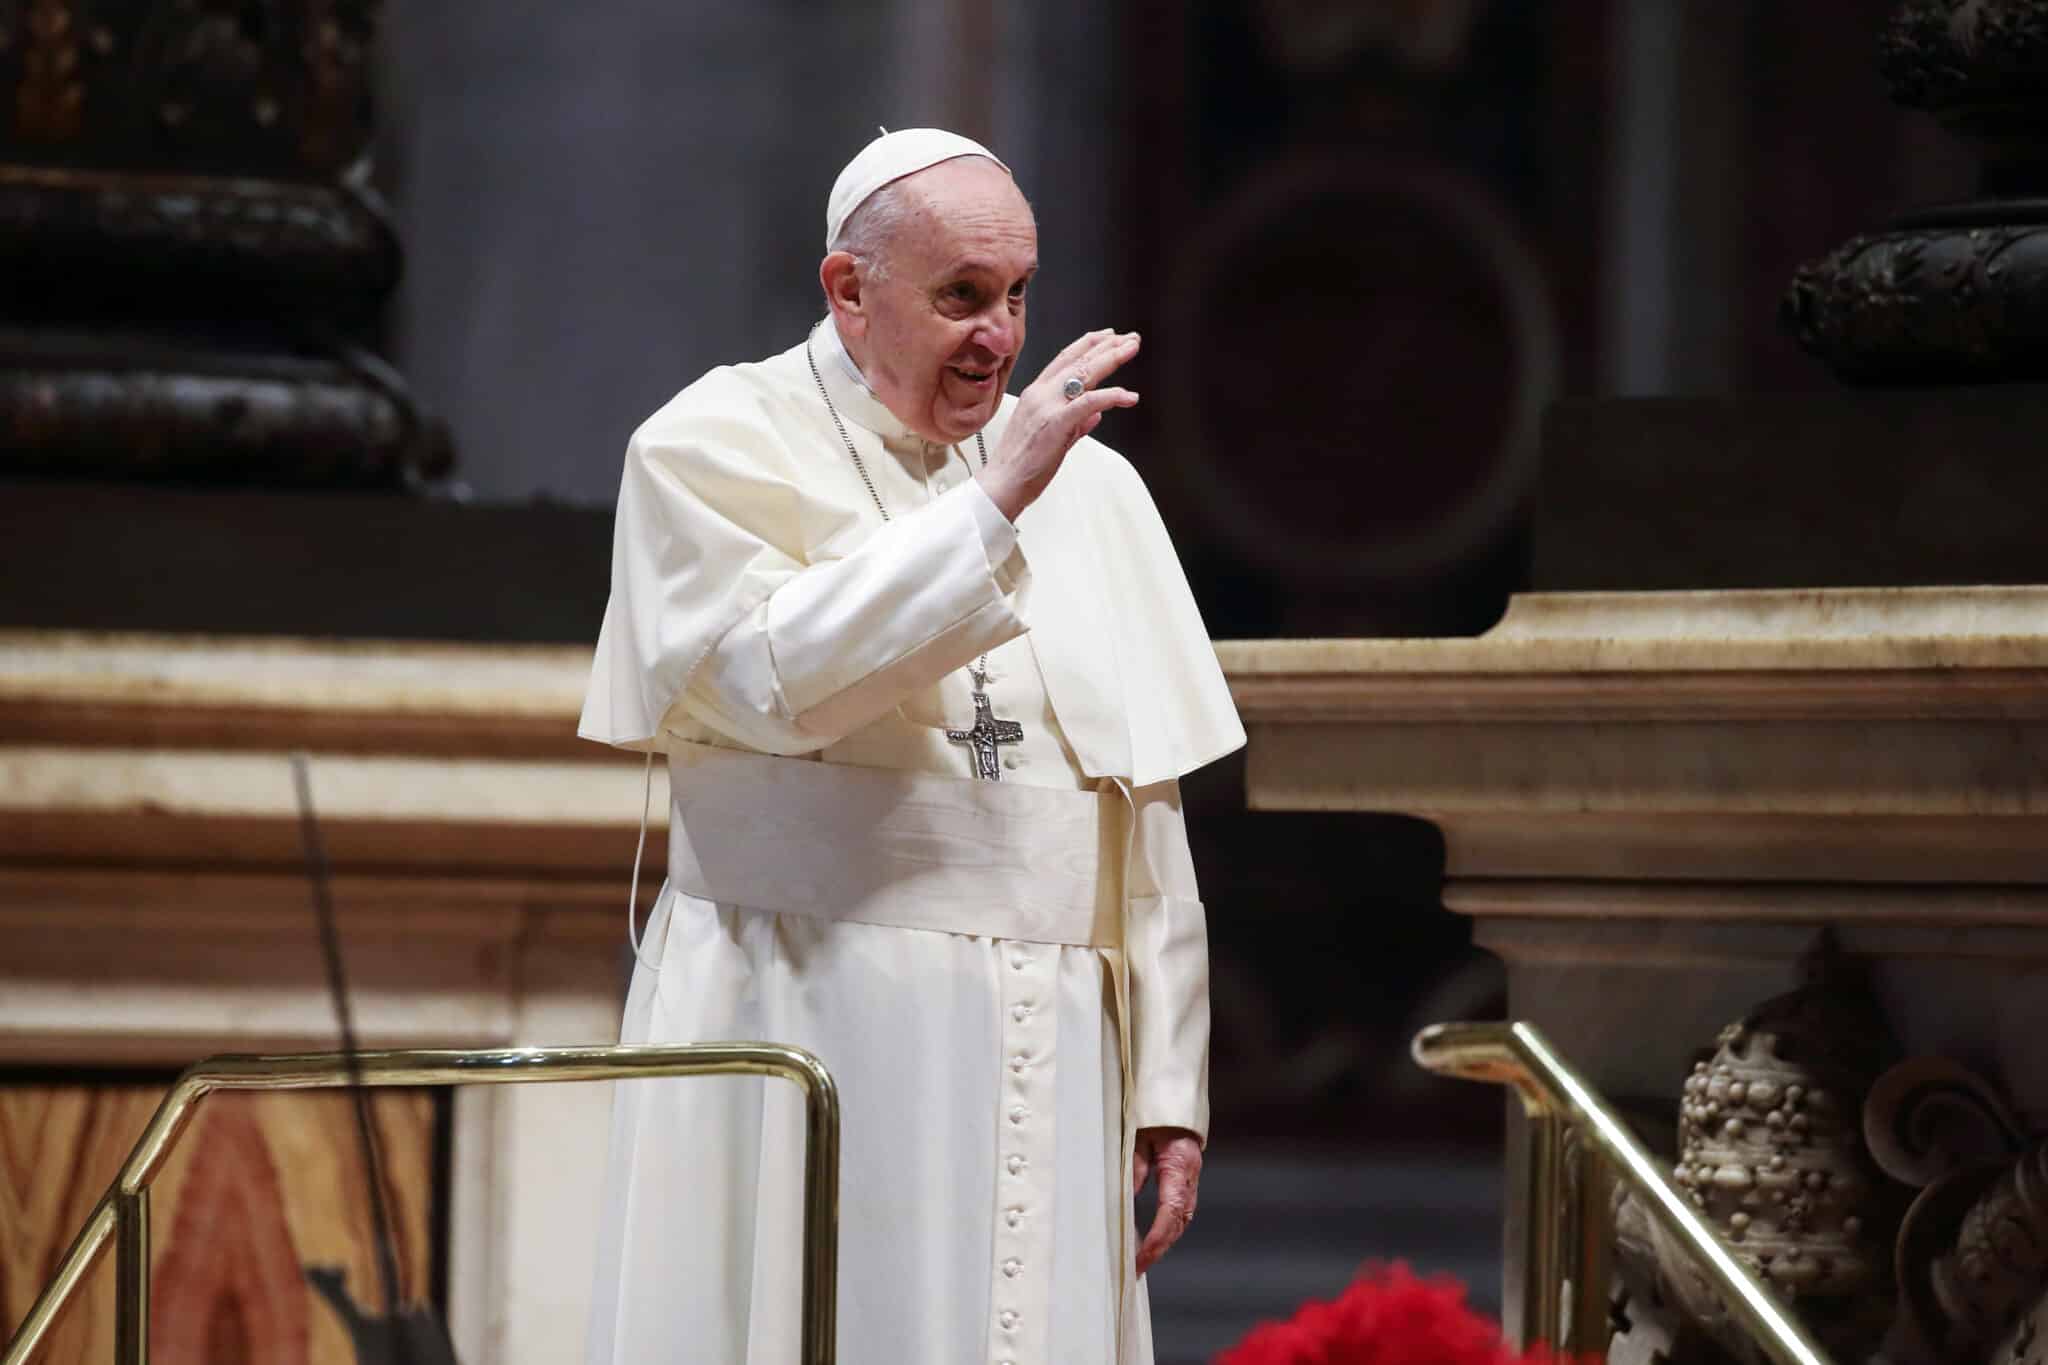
(971, 265)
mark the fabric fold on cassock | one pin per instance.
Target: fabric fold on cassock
(1165, 944)
(834, 626)
(845, 641)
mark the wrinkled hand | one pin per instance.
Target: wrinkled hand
(1176, 1155)
(1046, 423)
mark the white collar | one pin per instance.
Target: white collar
(850, 393)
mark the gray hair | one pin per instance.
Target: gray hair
(868, 229)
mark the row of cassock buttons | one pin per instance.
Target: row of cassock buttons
(1014, 1215)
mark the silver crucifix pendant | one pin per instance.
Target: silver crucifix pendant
(987, 734)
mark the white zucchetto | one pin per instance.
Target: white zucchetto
(888, 158)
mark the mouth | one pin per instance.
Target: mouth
(973, 378)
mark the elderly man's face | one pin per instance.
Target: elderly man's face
(943, 326)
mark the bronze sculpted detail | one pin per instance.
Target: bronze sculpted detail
(1960, 59)
(1949, 296)
(1957, 293)
(91, 243)
(264, 89)
(50, 96)
(193, 415)
(196, 268)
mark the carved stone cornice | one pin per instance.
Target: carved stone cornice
(1790, 633)
(1819, 735)
(426, 760)
(1849, 908)
(97, 690)
(1430, 693)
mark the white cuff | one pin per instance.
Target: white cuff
(850, 639)
(998, 541)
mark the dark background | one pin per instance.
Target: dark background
(1392, 261)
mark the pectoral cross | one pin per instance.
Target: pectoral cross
(987, 734)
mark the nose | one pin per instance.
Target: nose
(999, 333)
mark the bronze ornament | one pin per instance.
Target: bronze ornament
(1957, 293)
(196, 264)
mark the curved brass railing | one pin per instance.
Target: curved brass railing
(122, 1215)
(1567, 1228)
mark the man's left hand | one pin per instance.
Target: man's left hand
(1175, 1154)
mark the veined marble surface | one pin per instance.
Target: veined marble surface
(1807, 735)
(1784, 629)
(108, 742)
(306, 674)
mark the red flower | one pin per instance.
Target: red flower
(1387, 1317)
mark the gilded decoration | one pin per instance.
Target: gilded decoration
(51, 96)
(335, 50)
(264, 88)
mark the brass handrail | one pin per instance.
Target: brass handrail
(122, 1214)
(1564, 1286)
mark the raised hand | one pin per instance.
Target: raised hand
(1046, 423)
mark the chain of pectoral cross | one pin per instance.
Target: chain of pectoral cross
(988, 734)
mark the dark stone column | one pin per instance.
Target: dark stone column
(194, 270)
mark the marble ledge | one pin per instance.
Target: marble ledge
(305, 673)
(1816, 652)
(165, 750)
(353, 695)
(1858, 628)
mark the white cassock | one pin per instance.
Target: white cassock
(1006, 980)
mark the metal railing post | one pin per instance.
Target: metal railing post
(131, 1278)
(1542, 1270)
(122, 1215)
(1588, 1249)
(1570, 1244)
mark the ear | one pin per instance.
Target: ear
(840, 275)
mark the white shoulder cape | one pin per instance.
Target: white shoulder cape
(738, 477)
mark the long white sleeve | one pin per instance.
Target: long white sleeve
(837, 643)
(1166, 944)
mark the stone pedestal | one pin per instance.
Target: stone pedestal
(155, 908)
(1654, 804)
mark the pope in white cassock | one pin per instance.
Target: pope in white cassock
(925, 670)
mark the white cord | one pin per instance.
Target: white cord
(633, 896)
